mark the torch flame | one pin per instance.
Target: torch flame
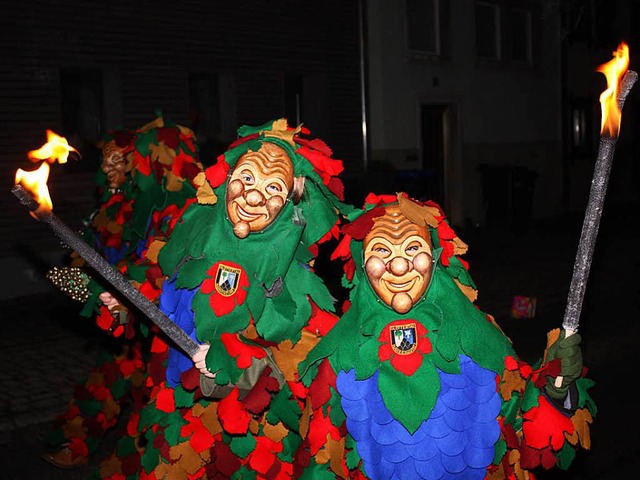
(56, 148)
(35, 182)
(614, 70)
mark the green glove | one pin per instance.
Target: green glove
(568, 350)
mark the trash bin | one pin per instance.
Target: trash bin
(507, 196)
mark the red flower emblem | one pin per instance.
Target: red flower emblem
(227, 286)
(404, 342)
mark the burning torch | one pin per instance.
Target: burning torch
(31, 189)
(619, 83)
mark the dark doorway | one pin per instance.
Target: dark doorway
(436, 149)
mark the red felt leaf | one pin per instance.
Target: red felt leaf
(350, 269)
(190, 379)
(141, 163)
(226, 463)
(360, 227)
(130, 464)
(169, 136)
(132, 424)
(316, 144)
(545, 426)
(78, 447)
(257, 400)
(373, 199)
(158, 345)
(242, 352)
(200, 437)
(510, 363)
(232, 414)
(105, 320)
(165, 401)
(342, 250)
(321, 321)
(264, 455)
(216, 174)
(320, 429)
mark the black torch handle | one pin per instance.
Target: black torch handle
(110, 274)
(591, 222)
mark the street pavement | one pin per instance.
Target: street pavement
(46, 347)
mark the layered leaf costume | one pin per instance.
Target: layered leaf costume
(438, 391)
(257, 301)
(162, 163)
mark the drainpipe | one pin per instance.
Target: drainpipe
(363, 81)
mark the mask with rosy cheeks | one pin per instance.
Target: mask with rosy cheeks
(258, 189)
(398, 260)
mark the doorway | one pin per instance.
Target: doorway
(436, 148)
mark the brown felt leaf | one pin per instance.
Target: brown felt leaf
(162, 154)
(305, 419)
(154, 250)
(186, 458)
(187, 132)
(279, 129)
(110, 467)
(288, 356)
(157, 123)
(174, 182)
(100, 220)
(74, 428)
(204, 193)
(275, 432)
(114, 227)
(335, 450)
(511, 381)
(209, 417)
(581, 421)
(418, 214)
(469, 292)
(552, 337)
(95, 378)
(459, 247)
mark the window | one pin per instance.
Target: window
(82, 113)
(487, 18)
(423, 26)
(520, 39)
(428, 29)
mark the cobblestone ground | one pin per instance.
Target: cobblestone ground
(46, 348)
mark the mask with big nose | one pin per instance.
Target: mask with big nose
(398, 259)
(258, 188)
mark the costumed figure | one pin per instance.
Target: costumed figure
(146, 177)
(429, 386)
(240, 281)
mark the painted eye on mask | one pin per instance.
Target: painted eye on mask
(247, 178)
(274, 189)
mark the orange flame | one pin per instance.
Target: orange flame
(35, 181)
(56, 148)
(614, 70)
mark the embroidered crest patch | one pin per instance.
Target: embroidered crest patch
(227, 279)
(404, 340)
